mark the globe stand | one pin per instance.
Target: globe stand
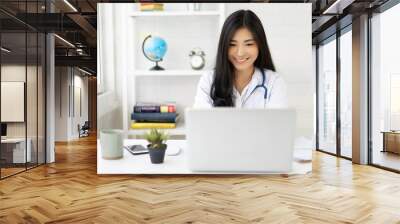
(157, 59)
(157, 67)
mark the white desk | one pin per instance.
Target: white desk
(140, 164)
(19, 149)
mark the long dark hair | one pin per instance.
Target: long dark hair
(222, 86)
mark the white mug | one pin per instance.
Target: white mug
(111, 142)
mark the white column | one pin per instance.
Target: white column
(50, 99)
(360, 90)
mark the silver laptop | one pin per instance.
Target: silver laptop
(226, 140)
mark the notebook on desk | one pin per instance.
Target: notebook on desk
(240, 140)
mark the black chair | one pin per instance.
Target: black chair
(84, 130)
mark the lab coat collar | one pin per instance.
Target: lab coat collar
(255, 80)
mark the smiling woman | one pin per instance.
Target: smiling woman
(244, 75)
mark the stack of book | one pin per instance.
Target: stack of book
(150, 115)
(151, 6)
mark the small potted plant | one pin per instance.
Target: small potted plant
(156, 145)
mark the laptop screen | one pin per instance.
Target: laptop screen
(3, 129)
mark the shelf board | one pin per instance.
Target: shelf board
(174, 13)
(179, 130)
(169, 73)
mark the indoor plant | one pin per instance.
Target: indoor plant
(156, 145)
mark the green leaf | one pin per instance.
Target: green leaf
(156, 138)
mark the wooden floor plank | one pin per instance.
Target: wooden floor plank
(70, 191)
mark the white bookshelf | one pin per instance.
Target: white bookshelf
(183, 30)
(172, 73)
(176, 13)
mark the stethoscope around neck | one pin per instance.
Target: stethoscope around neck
(262, 85)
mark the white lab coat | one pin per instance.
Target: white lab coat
(276, 92)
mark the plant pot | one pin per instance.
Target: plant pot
(157, 154)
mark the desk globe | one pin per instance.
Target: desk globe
(154, 49)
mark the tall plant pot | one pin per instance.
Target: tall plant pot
(157, 155)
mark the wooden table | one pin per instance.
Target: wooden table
(391, 141)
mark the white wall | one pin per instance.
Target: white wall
(68, 81)
(289, 36)
(80, 83)
(61, 104)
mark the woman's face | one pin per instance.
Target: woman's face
(243, 50)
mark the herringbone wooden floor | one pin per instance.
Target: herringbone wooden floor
(70, 191)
